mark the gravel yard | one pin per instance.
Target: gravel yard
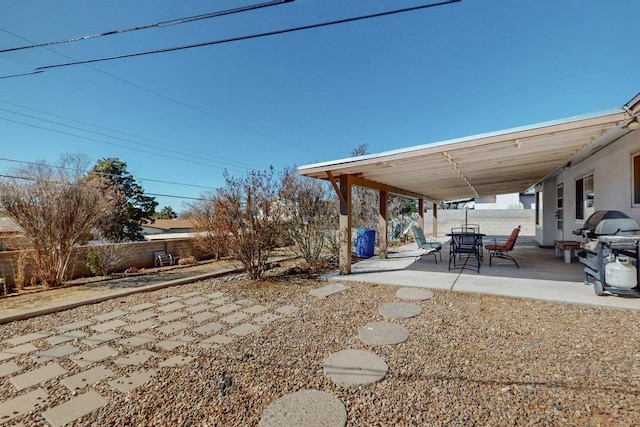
(470, 360)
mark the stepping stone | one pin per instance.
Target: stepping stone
(255, 309)
(287, 310)
(101, 338)
(28, 338)
(228, 308)
(176, 361)
(8, 369)
(244, 329)
(215, 341)
(11, 352)
(141, 307)
(54, 353)
(199, 307)
(414, 294)
(73, 409)
(220, 301)
(234, 318)
(21, 405)
(75, 325)
(137, 358)
(88, 377)
(191, 294)
(92, 356)
(328, 290)
(215, 295)
(170, 317)
(175, 342)
(137, 340)
(209, 328)
(171, 328)
(108, 326)
(354, 367)
(66, 337)
(305, 408)
(168, 300)
(143, 315)
(195, 301)
(244, 302)
(399, 310)
(141, 326)
(202, 317)
(111, 315)
(37, 376)
(133, 380)
(171, 307)
(383, 333)
(266, 318)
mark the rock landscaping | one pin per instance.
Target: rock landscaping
(234, 352)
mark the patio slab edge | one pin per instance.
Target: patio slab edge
(27, 314)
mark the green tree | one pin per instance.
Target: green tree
(166, 212)
(133, 209)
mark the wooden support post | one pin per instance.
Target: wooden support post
(382, 224)
(421, 213)
(435, 218)
(345, 224)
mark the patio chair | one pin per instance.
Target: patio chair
(431, 247)
(501, 250)
(465, 241)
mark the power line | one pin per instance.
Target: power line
(114, 137)
(155, 141)
(168, 98)
(24, 162)
(249, 37)
(155, 153)
(154, 25)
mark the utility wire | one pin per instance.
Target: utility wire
(154, 153)
(155, 141)
(114, 137)
(174, 100)
(155, 25)
(248, 37)
(24, 162)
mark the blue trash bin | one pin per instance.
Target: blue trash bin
(365, 242)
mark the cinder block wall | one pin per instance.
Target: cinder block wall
(139, 254)
(492, 222)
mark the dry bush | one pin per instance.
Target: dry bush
(247, 215)
(311, 215)
(189, 260)
(104, 260)
(57, 207)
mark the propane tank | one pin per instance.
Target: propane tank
(620, 274)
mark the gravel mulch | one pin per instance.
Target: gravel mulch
(470, 360)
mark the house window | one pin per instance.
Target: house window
(636, 180)
(584, 197)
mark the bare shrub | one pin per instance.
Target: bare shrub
(104, 260)
(189, 260)
(311, 215)
(210, 238)
(247, 213)
(364, 201)
(57, 207)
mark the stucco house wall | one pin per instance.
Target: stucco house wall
(612, 170)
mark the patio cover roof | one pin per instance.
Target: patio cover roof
(502, 162)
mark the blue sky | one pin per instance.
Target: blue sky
(392, 82)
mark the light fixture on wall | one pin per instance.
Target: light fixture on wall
(633, 124)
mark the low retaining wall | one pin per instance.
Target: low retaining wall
(137, 254)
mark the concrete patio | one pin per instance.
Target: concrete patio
(541, 275)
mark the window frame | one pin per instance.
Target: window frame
(582, 211)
